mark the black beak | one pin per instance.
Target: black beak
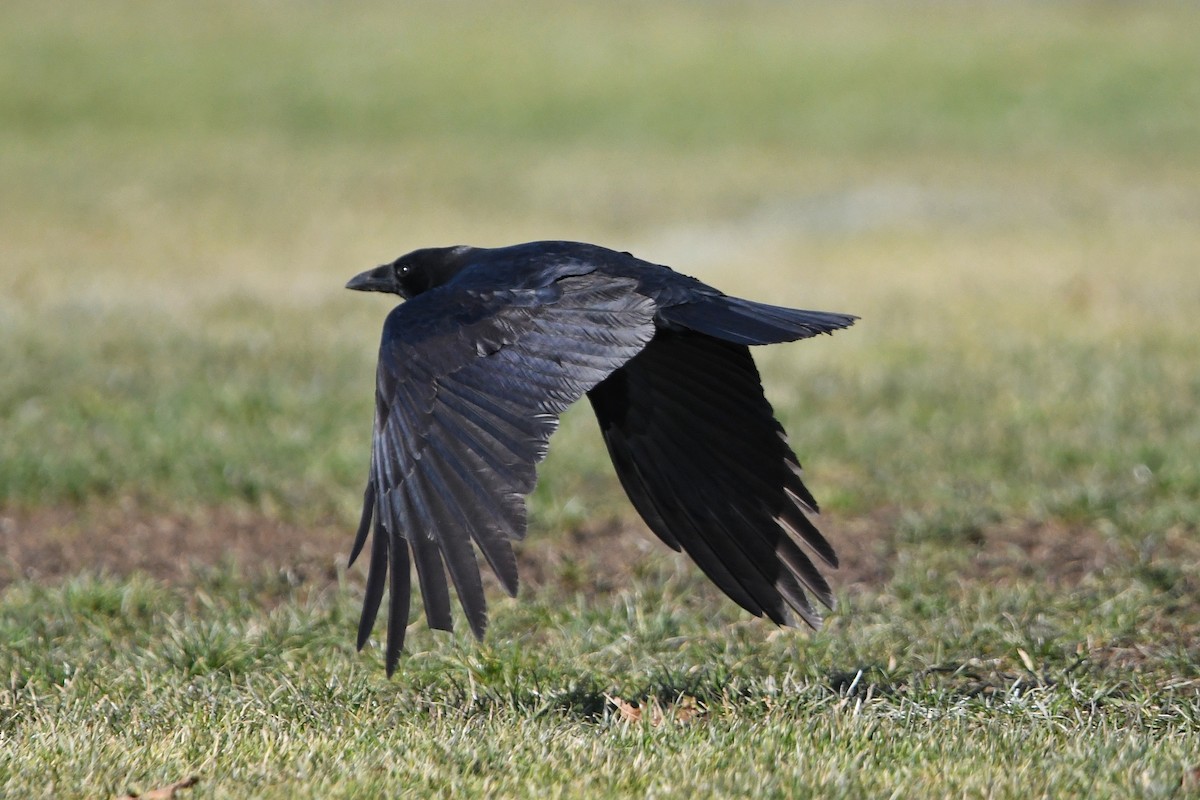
(380, 279)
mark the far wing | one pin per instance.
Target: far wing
(698, 450)
(469, 389)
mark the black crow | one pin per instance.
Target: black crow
(493, 344)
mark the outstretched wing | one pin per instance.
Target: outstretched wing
(702, 458)
(469, 388)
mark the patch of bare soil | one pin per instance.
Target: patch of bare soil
(1054, 553)
(50, 544)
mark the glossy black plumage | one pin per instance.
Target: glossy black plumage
(493, 344)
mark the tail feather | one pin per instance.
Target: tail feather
(739, 321)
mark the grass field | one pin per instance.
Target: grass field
(1006, 446)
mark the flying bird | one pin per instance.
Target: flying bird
(492, 344)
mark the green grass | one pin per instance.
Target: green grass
(1005, 445)
(120, 684)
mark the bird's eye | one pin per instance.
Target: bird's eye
(403, 270)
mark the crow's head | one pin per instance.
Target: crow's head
(416, 272)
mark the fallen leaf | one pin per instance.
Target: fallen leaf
(628, 711)
(687, 709)
(652, 712)
(164, 793)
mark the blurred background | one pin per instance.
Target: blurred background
(1007, 194)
